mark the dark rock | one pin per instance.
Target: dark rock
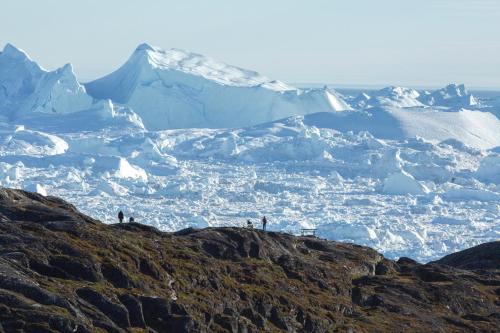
(68, 249)
(157, 312)
(107, 327)
(407, 261)
(137, 227)
(14, 281)
(36, 208)
(149, 268)
(279, 320)
(134, 308)
(361, 299)
(228, 323)
(61, 271)
(254, 317)
(429, 273)
(315, 244)
(17, 257)
(185, 232)
(484, 256)
(163, 315)
(8, 239)
(385, 267)
(67, 226)
(116, 276)
(47, 270)
(116, 312)
(77, 268)
(264, 308)
(214, 249)
(475, 317)
(12, 302)
(291, 267)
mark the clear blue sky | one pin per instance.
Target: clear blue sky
(368, 42)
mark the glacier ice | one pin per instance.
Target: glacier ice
(395, 96)
(402, 183)
(452, 95)
(179, 89)
(489, 169)
(32, 95)
(26, 87)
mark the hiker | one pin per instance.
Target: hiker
(249, 224)
(131, 220)
(120, 216)
(264, 223)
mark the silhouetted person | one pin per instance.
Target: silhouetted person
(131, 219)
(120, 216)
(249, 224)
(264, 223)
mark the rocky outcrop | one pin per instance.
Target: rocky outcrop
(61, 271)
(484, 256)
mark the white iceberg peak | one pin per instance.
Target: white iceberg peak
(390, 96)
(199, 65)
(14, 52)
(456, 89)
(28, 90)
(453, 95)
(145, 47)
(396, 91)
(67, 68)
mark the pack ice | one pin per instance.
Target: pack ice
(177, 139)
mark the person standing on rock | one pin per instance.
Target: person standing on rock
(249, 224)
(131, 220)
(120, 216)
(264, 223)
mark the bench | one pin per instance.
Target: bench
(308, 232)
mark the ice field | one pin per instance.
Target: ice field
(176, 139)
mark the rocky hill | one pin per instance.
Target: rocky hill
(62, 271)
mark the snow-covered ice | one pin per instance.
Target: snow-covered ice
(451, 95)
(180, 89)
(403, 183)
(27, 88)
(410, 173)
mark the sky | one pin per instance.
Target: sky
(426, 43)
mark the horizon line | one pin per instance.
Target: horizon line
(376, 86)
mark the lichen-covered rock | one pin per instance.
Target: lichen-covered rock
(61, 271)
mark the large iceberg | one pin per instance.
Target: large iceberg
(473, 128)
(453, 95)
(26, 87)
(178, 89)
(392, 97)
(53, 100)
